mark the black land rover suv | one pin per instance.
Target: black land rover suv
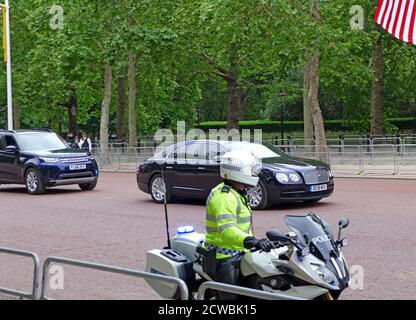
(41, 159)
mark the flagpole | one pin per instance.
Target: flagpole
(9, 69)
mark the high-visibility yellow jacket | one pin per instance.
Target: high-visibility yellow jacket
(228, 221)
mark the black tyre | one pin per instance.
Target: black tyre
(159, 188)
(33, 182)
(88, 186)
(258, 197)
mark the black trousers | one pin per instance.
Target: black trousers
(228, 271)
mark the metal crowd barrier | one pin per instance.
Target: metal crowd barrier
(33, 295)
(101, 267)
(367, 157)
(257, 294)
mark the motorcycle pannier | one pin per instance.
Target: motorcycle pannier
(169, 263)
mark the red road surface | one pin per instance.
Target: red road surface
(116, 224)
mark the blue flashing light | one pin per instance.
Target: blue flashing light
(186, 230)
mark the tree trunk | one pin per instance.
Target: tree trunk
(313, 96)
(16, 115)
(307, 114)
(72, 115)
(132, 99)
(121, 119)
(377, 112)
(243, 102)
(233, 104)
(313, 102)
(105, 109)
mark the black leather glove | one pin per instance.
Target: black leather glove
(262, 244)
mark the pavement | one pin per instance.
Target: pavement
(116, 224)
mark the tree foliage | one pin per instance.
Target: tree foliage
(198, 60)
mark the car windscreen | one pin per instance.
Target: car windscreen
(261, 151)
(40, 141)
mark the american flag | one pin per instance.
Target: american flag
(398, 17)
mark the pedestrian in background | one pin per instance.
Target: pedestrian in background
(85, 143)
(75, 143)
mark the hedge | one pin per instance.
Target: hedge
(290, 126)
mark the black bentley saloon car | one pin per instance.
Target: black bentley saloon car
(191, 169)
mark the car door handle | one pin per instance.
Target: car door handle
(169, 168)
(201, 168)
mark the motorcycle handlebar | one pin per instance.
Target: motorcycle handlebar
(276, 245)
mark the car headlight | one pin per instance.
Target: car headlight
(294, 177)
(287, 178)
(324, 273)
(282, 178)
(49, 160)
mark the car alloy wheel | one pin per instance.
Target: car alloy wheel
(255, 196)
(33, 183)
(158, 189)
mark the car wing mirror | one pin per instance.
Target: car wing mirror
(11, 149)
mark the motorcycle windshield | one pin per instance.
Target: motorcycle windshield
(313, 233)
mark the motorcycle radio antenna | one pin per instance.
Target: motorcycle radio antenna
(165, 204)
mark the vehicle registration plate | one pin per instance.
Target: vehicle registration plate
(321, 187)
(77, 167)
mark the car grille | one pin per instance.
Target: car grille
(66, 176)
(75, 160)
(317, 176)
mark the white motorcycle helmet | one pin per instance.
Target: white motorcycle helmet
(241, 166)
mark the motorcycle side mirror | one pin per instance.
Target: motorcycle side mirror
(275, 235)
(343, 223)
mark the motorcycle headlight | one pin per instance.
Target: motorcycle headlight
(324, 273)
(49, 160)
(282, 178)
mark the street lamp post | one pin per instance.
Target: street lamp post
(7, 57)
(282, 116)
(9, 69)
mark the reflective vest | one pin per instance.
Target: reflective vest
(228, 221)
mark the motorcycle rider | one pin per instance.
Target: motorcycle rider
(229, 220)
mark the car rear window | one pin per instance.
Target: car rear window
(1, 142)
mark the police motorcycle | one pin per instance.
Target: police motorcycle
(306, 263)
